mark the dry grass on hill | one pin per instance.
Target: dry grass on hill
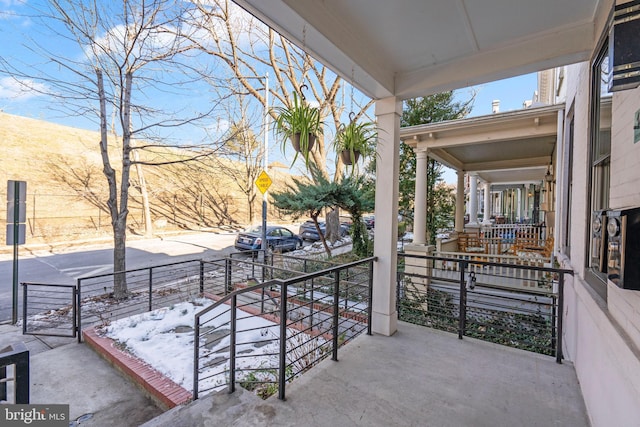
(31, 148)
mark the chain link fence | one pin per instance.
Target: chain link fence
(59, 217)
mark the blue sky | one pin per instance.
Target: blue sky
(511, 93)
(15, 27)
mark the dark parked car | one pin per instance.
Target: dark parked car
(308, 230)
(278, 239)
(370, 221)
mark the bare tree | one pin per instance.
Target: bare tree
(128, 53)
(241, 155)
(246, 48)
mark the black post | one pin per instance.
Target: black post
(282, 374)
(75, 311)
(196, 355)
(150, 288)
(79, 302)
(554, 317)
(227, 275)
(3, 383)
(463, 301)
(24, 310)
(311, 305)
(370, 302)
(232, 345)
(336, 308)
(560, 315)
(16, 238)
(201, 277)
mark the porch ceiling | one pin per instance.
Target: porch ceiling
(502, 148)
(410, 48)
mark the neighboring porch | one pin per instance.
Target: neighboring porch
(506, 187)
(418, 376)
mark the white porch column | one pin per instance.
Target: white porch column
(460, 202)
(519, 205)
(385, 317)
(473, 200)
(420, 203)
(486, 219)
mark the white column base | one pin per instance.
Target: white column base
(384, 324)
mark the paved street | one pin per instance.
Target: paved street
(65, 265)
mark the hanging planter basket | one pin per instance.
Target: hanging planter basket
(349, 157)
(301, 124)
(354, 140)
(295, 141)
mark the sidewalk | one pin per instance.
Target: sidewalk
(65, 372)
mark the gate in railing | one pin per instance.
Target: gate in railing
(49, 310)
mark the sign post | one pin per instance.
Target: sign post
(263, 182)
(16, 230)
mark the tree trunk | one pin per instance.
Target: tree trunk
(120, 291)
(333, 225)
(117, 223)
(322, 237)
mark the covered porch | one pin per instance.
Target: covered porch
(504, 160)
(419, 376)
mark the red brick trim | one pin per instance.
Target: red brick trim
(166, 393)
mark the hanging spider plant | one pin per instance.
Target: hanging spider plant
(355, 139)
(299, 123)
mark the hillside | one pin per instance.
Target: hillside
(62, 166)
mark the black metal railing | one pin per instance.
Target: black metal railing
(49, 309)
(263, 334)
(14, 372)
(63, 310)
(148, 288)
(514, 305)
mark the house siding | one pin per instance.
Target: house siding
(602, 338)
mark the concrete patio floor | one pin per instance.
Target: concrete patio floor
(417, 377)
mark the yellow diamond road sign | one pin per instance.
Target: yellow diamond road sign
(263, 182)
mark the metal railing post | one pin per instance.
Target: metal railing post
(312, 303)
(370, 299)
(227, 275)
(201, 277)
(150, 288)
(462, 315)
(79, 302)
(560, 309)
(282, 374)
(24, 309)
(75, 311)
(232, 345)
(196, 356)
(336, 308)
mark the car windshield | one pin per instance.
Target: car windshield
(254, 229)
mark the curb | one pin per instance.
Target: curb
(163, 391)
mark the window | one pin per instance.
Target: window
(600, 167)
(275, 233)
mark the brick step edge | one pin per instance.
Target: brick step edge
(163, 391)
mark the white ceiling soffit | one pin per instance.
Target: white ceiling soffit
(410, 48)
(513, 146)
